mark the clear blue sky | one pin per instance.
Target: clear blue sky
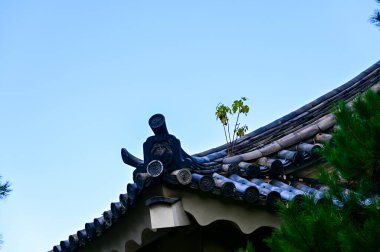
(80, 79)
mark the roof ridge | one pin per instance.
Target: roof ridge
(359, 78)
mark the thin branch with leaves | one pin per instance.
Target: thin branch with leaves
(222, 114)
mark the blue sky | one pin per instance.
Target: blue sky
(80, 79)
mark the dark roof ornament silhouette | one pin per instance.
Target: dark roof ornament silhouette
(265, 167)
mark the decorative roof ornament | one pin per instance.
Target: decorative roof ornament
(162, 154)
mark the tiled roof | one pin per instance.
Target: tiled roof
(263, 159)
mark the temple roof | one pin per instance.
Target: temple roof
(266, 165)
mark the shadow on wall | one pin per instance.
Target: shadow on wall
(219, 236)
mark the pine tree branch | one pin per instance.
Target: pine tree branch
(4, 189)
(300, 233)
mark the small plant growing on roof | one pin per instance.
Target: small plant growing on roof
(223, 114)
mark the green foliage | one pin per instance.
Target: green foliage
(302, 229)
(355, 153)
(241, 131)
(325, 227)
(248, 248)
(4, 189)
(347, 220)
(4, 192)
(223, 114)
(375, 18)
